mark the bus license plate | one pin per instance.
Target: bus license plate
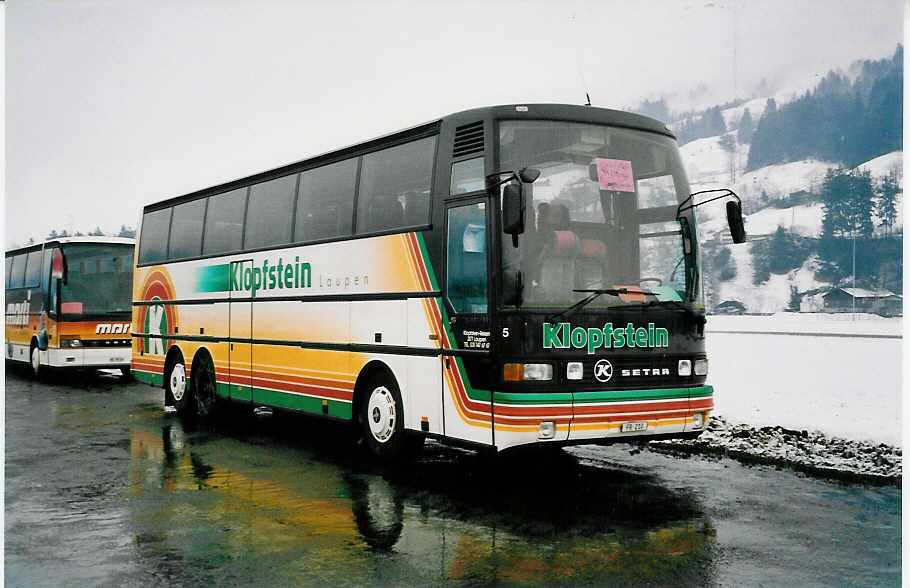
(634, 427)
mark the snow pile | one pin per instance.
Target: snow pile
(812, 452)
(805, 323)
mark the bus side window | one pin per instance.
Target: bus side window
(9, 266)
(33, 269)
(466, 263)
(46, 277)
(224, 222)
(153, 236)
(268, 218)
(17, 277)
(325, 201)
(395, 187)
(186, 230)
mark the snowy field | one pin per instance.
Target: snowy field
(813, 372)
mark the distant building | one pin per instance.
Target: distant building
(730, 307)
(882, 302)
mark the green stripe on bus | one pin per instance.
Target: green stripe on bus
(630, 395)
(213, 278)
(426, 257)
(149, 378)
(311, 404)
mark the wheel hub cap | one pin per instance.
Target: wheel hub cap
(381, 409)
(178, 382)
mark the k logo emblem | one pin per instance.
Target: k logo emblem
(603, 370)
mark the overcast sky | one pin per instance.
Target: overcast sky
(111, 105)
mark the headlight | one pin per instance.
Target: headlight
(70, 343)
(514, 372)
(574, 370)
(538, 371)
(701, 367)
(685, 367)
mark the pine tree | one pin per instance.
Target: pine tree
(886, 205)
(746, 128)
(795, 300)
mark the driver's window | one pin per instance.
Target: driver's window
(466, 269)
(661, 256)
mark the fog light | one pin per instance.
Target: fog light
(574, 370)
(538, 371)
(701, 367)
(698, 420)
(546, 430)
(685, 367)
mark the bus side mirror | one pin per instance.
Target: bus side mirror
(513, 211)
(58, 266)
(735, 220)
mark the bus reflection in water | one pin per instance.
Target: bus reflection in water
(292, 518)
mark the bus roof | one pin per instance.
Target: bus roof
(70, 240)
(564, 112)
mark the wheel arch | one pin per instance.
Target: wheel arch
(373, 368)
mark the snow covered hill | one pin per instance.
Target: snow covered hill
(782, 195)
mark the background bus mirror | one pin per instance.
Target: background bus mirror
(735, 220)
(529, 175)
(58, 266)
(513, 211)
(511, 288)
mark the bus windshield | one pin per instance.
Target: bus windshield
(601, 216)
(99, 279)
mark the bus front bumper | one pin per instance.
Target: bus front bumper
(103, 357)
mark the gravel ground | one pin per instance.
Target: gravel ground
(812, 452)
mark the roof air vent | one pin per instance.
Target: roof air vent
(468, 139)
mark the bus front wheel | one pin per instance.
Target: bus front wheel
(382, 419)
(36, 361)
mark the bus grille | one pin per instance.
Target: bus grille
(468, 139)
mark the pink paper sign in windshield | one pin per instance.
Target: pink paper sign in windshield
(615, 174)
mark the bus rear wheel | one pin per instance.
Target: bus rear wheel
(382, 419)
(203, 388)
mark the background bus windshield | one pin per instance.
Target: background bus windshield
(602, 213)
(99, 279)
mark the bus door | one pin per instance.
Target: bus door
(467, 410)
(240, 354)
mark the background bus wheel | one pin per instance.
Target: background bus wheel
(382, 419)
(36, 361)
(176, 388)
(126, 374)
(204, 386)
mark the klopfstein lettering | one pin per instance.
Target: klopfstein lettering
(269, 277)
(563, 336)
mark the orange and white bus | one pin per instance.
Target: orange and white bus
(498, 277)
(68, 303)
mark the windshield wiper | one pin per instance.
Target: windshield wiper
(594, 293)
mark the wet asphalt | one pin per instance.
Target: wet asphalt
(103, 488)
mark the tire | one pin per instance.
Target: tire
(175, 387)
(382, 418)
(203, 388)
(126, 374)
(36, 362)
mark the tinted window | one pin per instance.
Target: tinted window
(224, 222)
(466, 273)
(17, 276)
(46, 274)
(9, 265)
(325, 204)
(186, 230)
(99, 279)
(268, 220)
(153, 245)
(33, 269)
(395, 187)
(467, 176)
